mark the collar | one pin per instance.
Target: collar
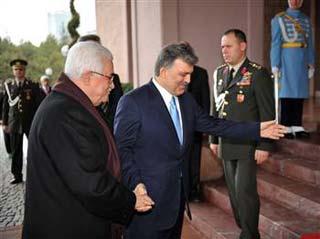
(237, 66)
(17, 81)
(164, 93)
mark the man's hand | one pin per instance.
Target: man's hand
(311, 71)
(140, 189)
(261, 156)
(269, 129)
(214, 149)
(143, 201)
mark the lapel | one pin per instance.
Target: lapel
(160, 105)
(162, 109)
(225, 75)
(238, 76)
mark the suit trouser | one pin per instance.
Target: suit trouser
(241, 179)
(291, 111)
(195, 163)
(7, 143)
(17, 154)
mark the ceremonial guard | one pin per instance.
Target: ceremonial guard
(292, 60)
(243, 91)
(20, 104)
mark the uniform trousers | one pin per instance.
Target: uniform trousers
(17, 154)
(241, 179)
(7, 143)
(291, 111)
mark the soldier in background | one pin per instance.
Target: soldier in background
(6, 136)
(21, 100)
(292, 59)
(243, 91)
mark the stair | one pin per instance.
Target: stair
(292, 166)
(276, 220)
(289, 189)
(214, 223)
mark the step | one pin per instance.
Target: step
(291, 193)
(214, 223)
(190, 232)
(307, 148)
(275, 220)
(291, 166)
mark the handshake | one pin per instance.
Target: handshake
(143, 201)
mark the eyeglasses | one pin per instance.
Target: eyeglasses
(106, 76)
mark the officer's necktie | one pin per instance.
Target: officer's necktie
(230, 76)
(176, 119)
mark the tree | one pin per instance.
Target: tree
(39, 58)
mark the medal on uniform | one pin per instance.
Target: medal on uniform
(240, 98)
(28, 96)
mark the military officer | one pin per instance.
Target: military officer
(6, 136)
(292, 59)
(243, 91)
(20, 103)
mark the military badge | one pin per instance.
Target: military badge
(28, 94)
(220, 82)
(246, 77)
(240, 98)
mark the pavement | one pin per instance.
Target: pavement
(11, 196)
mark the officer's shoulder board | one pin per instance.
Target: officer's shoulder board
(255, 65)
(220, 67)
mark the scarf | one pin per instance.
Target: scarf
(65, 86)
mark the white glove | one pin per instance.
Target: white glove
(310, 72)
(275, 71)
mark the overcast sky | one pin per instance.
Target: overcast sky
(28, 19)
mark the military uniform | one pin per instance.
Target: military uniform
(20, 104)
(249, 96)
(292, 53)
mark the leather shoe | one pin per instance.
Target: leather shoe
(302, 135)
(289, 136)
(16, 181)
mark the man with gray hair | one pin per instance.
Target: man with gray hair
(73, 188)
(154, 128)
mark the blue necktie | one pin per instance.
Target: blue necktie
(176, 119)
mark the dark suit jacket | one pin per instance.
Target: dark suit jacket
(69, 191)
(108, 110)
(199, 89)
(150, 151)
(250, 97)
(21, 114)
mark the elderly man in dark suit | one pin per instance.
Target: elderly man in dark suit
(243, 91)
(73, 188)
(21, 101)
(154, 129)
